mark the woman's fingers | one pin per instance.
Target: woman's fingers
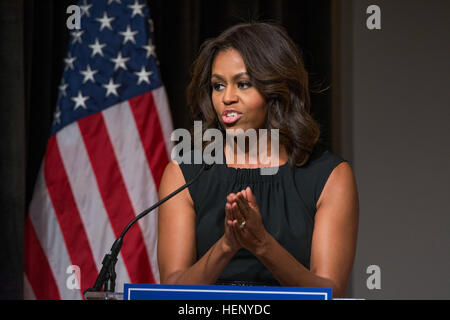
(231, 197)
(251, 198)
(229, 214)
(238, 207)
(239, 225)
(242, 206)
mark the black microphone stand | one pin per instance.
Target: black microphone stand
(107, 277)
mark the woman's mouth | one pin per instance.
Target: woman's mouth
(230, 116)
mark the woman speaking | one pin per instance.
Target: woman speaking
(297, 227)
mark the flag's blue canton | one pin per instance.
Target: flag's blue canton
(110, 59)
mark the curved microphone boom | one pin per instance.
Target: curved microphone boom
(107, 277)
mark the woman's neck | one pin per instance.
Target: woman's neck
(248, 154)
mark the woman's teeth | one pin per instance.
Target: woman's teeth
(231, 117)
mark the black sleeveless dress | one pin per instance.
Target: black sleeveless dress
(287, 202)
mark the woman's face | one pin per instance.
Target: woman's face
(238, 104)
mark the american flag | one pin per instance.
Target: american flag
(109, 144)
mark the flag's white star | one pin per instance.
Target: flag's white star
(88, 74)
(137, 8)
(80, 101)
(77, 36)
(69, 62)
(143, 75)
(111, 1)
(111, 88)
(85, 9)
(128, 35)
(57, 115)
(150, 48)
(120, 62)
(62, 87)
(105, 21)
(97, 48)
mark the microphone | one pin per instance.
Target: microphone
(107, 277)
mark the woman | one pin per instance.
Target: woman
(297, 227)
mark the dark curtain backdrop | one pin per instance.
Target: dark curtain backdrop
(33, 44)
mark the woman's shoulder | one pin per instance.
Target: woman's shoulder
(172, 175)
(313, 175)
(321, 158)
(182, 168)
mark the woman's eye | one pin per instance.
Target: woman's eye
(217, 86)
(244, 84)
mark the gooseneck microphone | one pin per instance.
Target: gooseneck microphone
(107, 277)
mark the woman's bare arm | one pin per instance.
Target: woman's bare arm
(176, 238)
(333, 242)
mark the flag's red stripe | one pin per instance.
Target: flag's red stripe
(149, 127)
(115, 196)
(36, 266)
(68, 216)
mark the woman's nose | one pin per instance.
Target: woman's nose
(229, 96)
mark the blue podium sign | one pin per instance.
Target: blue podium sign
(222, 292)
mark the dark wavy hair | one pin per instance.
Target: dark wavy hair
(276, 70)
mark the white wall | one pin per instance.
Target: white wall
(395, 129)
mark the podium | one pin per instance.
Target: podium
(211, 292)
(222, 292)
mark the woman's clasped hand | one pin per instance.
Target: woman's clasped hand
(243, 223)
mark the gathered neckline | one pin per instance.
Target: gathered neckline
(250, 169)
(251, 175)
(257, 168)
